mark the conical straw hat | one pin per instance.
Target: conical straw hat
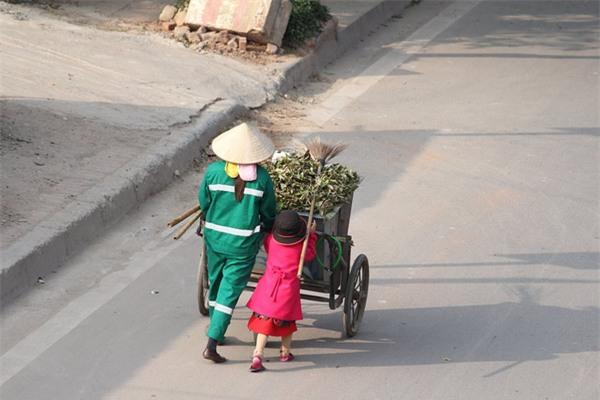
(243, 144)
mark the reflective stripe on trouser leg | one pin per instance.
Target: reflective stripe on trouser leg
(234, 277)
(215, 263)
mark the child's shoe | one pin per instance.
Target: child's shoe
(286, 357)
(257, 364)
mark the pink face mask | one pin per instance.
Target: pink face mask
(247, 172)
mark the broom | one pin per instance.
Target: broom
(322, 153)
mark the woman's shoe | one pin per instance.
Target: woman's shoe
(213, 356)
(286, 357)
(257, 364)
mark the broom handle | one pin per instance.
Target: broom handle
(187, 226)
(305, 243)
(183, 216)
(309, 223)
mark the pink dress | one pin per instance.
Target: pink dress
(277, 294)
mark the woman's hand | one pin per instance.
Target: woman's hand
(313, 227)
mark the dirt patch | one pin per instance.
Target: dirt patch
(279, 119)
(49, 158)
(285, 117)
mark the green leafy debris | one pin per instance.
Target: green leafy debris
(295, 180)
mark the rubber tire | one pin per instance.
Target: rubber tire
(202, 283)
(355, 299)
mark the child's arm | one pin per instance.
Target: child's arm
(268, 206)
(312, 243)
(266, 242)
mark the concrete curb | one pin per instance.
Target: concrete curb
(52, 242)
(65, 233)
(330, 49)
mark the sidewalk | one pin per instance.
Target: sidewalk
(95, 121)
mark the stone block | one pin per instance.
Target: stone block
(180, 17)
(180, 32)
(271, 48)
(167, 13)
(242, 43)
(192, 37)
(201, 46)
(223, 37)
(208, 36)
(263, 21)
(232, 44)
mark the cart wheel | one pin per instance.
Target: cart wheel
(202, 281)
(357, 290)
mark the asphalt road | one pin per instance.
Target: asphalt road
(475, 127)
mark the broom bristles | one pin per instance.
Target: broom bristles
(323, 152)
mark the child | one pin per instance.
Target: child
(276, 299)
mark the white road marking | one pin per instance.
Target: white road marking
(398, 54)
(40, 340)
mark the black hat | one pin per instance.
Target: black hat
(289, 228)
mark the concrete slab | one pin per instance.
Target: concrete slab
(263, 21)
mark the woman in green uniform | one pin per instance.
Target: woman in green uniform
(238, 203)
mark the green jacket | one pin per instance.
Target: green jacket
(233, 227)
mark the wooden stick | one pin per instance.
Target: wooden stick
(187, 226)
(311, 212)
(321, 152)
(183, 216)
(305, 243)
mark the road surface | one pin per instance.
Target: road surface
(474, 125)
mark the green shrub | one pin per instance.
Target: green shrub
(182, 4)
(305, 21)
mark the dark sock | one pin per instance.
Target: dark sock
(212, 344)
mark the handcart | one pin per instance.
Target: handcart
(329, 278)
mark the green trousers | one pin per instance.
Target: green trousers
(227, 278)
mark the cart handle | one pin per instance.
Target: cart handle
(339, 252)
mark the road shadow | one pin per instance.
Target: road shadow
(511, 332)
(557, 30)
(398, 149)
(585, 260)
(565, 26)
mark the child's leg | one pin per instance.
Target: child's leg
(261, 342)
(286, 344)
(257, 358)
